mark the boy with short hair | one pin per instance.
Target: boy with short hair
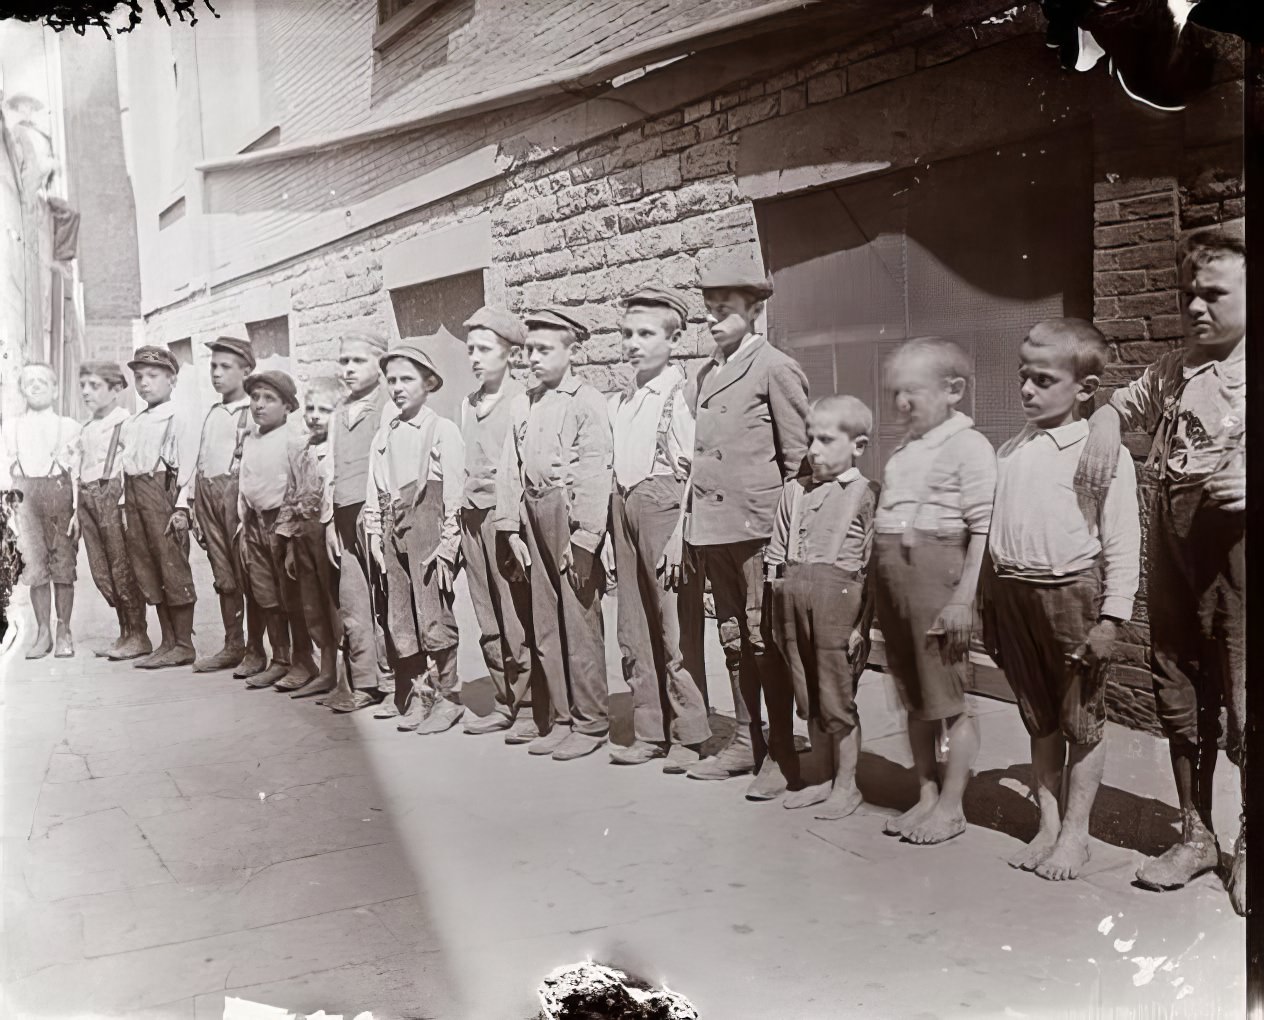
(416, 476)
(40, 458)
(554, 489)
(1059, 584)
(265, 459)
(932, 524)
(159, 452)
(1193, 403)
(102, 385)
(817, 563)
(298, 525)
(653, 447)
(502, 605)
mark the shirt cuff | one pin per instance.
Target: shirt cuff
(1118, 606)
(586, 539)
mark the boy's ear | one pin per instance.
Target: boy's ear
(956, 387)
(1089, 386)
(860, 444)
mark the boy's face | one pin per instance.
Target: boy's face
(358, 366)
(317, 410)
(922, 398)
(38, 389)
(831, 451)
(228, 372)
(1050, 389)
(98, 396)
(647, 345)
(1213, 301)
(549, 354)
(731, 316)
(489, 355)
(407, 384)
(267, 408)
(154, 384)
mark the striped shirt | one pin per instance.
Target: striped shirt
(809, 516)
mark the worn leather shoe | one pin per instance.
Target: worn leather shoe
(735, 760)
(496, 721)
(550, 742)
(442, 717)
(769, 783)
(225, 658)
(637, 753)
(1180, 864)
(524, 731)
(680, 759)
(577, 745)
(253, 662)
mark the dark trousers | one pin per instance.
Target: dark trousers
(649, 621)
(48, 553)
(215, 502)
(416, 536)
(361, 602)
(160, 561)
(569, 631)
(263, 560)
(101, 524)
(316, 584)
(502, 608)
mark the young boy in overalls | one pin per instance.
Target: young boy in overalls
(159, 451)
(554, 489)
(102, 385)
(653, 448)
(40, 456)
(1193, 403)
(502, 606)
(416, 478)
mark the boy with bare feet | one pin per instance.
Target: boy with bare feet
(821, 539)
(932, 524)
(1062, 579)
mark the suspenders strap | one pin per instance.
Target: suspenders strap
(235, 463)
(664, 430)
(112, 452)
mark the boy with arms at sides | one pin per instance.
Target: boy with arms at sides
(821, 605)
(265, 459)
(932, 524)
(750, 402)
(502, 606)
(214, 507)
(159, 453)
(416, 477)
(298, 525)
(361, 586)
(653, 447)
(102, 385)
(554, 489)
(40, 456)
(1059, 584)
(1192, 402)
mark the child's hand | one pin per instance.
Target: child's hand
(1227, 489)
(195, 528)
(519, 557)
(607, 558)
(579, 565)
(951, 631)
(178, 524)
(1099, 646)
(375, 549)
(856, 642)
(333, 547)
(72, 530)
(670, 566)
(440, 569)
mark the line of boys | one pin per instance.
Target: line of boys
(1041, 540)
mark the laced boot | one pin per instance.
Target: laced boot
(229, 657)
(1196, 853)
(166, 642)
(135, 641)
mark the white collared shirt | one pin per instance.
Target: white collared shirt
(94, 445)
(744, 350)
(265, 466)
(220, 435)
(635, 417)
(162, 436)
(38, 444)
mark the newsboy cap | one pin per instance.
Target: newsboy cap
(375, 340)
(737, 272)
(150, 356)
(414, 349)
(109, 372)
(658, 297)
(551, 318)
(234, 345)
(280, 384)
(504, 324)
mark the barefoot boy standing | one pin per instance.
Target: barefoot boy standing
(1060, 584)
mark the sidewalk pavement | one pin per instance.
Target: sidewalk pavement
(171, 839)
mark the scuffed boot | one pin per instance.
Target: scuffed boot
(419, 706)
(166, 642)
(180, 652)
(447, 710)
(104, 653)
(279, 638)
(231, 611)
(496, 721)
(42, 605)
(135, 641)
(1196, 853)
(769, 784)
(737, 759)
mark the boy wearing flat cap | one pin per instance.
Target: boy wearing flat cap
(502, 606)
(750, 403)
(653, 448)
(554, 489)
(264, 471)
(416, 478)
(159, 452)
(214, 505)
(100, 517)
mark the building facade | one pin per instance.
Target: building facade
(918, 170)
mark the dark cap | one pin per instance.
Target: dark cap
(151, 356)
(504, 324)
(280, 383)
(414, 349)
(375, 340)
(109, 372)
(737, 272)
(658, 297)
(551, 318)
(234, 345)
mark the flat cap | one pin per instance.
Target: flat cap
(151, 356)
(375, 340)
(234, 345)
(737, 272)
(658, 297)
(280, 383)
(551, 318)
(109, 372)
(504, 324)
(414, 348)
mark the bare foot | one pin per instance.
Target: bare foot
(1033, 853)
(841, 802)
(902, 824)
(1069, 855)
(808, 796)
(939, 826)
